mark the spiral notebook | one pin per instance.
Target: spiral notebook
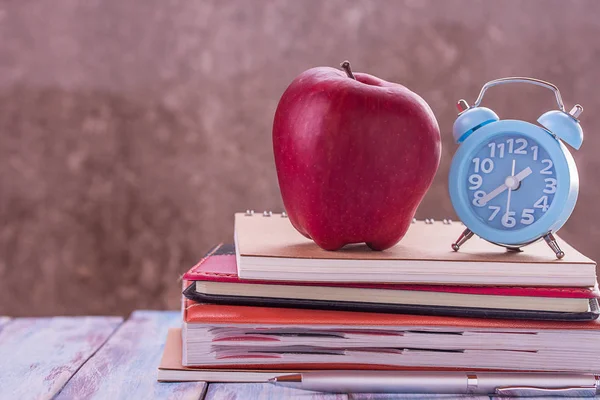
(269, 248)
(215, 280)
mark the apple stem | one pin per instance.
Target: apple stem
(346, 67)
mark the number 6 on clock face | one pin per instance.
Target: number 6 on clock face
(514, 183)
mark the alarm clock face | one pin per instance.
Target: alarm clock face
(511, 181)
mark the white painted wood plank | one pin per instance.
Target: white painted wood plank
(126, 366)
(3, 321)
(39, 355)
(263, 391)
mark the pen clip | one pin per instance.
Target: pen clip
(530, 391)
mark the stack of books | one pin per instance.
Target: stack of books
(275, 302)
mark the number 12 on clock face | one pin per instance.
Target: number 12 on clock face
(511, 182)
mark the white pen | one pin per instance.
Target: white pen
(421, 382)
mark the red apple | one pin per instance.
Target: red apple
(354, 157)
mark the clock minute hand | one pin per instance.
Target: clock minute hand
(508, 183)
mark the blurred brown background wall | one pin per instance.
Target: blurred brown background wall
(131, 131)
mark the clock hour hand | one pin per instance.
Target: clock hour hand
(523, 174)
(500, 189)
(484, 200)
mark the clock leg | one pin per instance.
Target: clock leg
(466, 235)
(551, 241)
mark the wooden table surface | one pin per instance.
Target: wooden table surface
(108, 358)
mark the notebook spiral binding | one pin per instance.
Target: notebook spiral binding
(250, 213)
(428, 221)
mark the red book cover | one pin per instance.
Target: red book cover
(218, 314)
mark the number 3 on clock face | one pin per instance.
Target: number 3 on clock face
(511, 182)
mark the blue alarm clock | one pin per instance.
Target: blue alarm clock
(512, 182)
